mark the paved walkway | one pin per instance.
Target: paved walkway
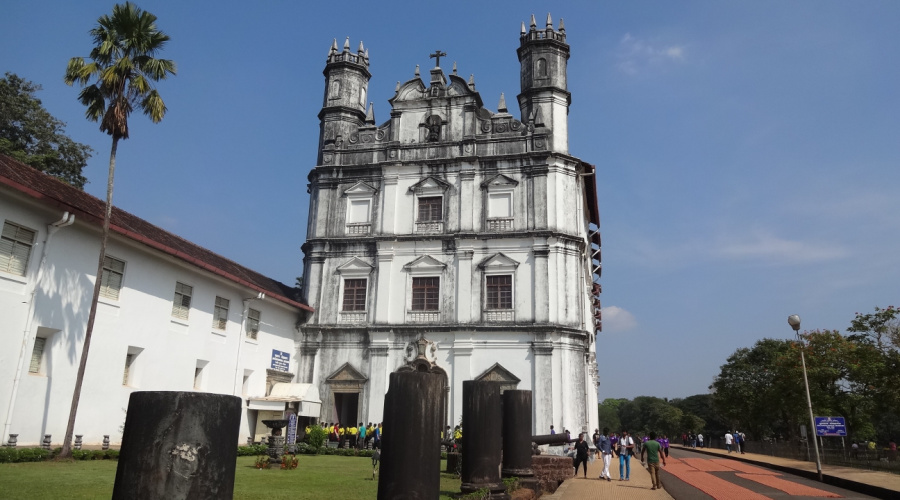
(878, 484)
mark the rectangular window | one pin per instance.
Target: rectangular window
(252, 323)
(37, 355)
(198, 378)
(126, 375)
(111, 279)
(220, 313)
(358, 211)
(181, 306)
(15, 248)
(426, 294)
(498, 292)
(355, 295)
(499, 205)
(431, 209)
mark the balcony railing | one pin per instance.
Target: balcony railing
(432, 226)
(504, 224)
(423, 316)
(359, 228)
(499, 316)
(352, 317)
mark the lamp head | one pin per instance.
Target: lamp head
(794, 321)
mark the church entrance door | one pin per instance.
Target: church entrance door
(346, 408)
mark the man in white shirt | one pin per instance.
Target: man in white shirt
(626, 448)
(700, 439)
(728, 440)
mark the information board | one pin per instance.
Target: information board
(830, 426)
(281, 360)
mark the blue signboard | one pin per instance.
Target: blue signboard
(281, 360)
(830, 426)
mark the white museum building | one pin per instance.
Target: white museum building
(172, 316)
(452, 239)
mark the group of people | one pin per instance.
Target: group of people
(735, 439)
(624, 446)
(355, 436)
(692, 440)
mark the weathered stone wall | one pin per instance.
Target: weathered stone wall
(551, 471)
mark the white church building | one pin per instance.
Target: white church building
(449, 238)
(452, 239)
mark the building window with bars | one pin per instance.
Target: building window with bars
(220, 313)
(15, 247)
(37, 356)
(355, 294)
(498, 292)
(426, 294)
(111, 279)
(181, 306)
(431, 209)
(252, 323)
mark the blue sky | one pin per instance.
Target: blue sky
(747, 151)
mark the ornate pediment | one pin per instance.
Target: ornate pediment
(499, 181)
(425, 264)
(355, 266)
(346, 373)
(430, 185)
(360, 189)
(410, 91)
(499, 262)
(497, 373)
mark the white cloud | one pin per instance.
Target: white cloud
(636, 55)
(763, 246)
(616, 319)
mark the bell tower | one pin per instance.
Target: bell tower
(344, 103)
(545, 99)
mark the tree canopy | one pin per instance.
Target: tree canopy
(30, 134)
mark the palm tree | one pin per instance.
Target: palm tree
(122, 66)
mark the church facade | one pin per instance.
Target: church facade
(452, 239)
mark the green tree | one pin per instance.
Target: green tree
(608, 411)
(30, 134)
(118, 78)
(700, 406)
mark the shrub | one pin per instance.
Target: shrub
(112, 454)
(316, 437)
(7, 455)
(249, 451)
(511, 484)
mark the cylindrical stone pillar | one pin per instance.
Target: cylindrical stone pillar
(46, 443)
(178, 445)
(482, 438)
(13, 439)
(105, 441)
(78, 441)
(411, 449)
(517, 434)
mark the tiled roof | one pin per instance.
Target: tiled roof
(87, 208)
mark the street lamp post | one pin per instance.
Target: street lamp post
(794, 321)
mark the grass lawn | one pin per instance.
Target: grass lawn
(316, 477)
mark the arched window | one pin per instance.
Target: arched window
(541, 68)
(335, 89)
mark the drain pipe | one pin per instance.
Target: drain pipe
(240, 341)
(67, 220)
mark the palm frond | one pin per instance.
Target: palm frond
(153, 106)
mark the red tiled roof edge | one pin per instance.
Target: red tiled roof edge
(45, 188)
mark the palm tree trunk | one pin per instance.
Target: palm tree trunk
(76, 395)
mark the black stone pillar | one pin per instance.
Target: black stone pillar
(482, 438)
(411, 448)
(517, 434)
(178, 445)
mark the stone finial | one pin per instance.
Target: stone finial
(562, 25)
(397, 88)
(370, 114)
(333, 49)
(454, 67)
(501, 106)
(361, 49)
(417, 70)
(533, 22)
(472, 82)
(347, 44)
(523, 27)
(367, 54)
(549, 22)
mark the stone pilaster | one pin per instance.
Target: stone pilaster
(543, 387)
(541, 284)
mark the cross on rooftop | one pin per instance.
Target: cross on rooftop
(437, 55)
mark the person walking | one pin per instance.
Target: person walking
(604, 446)
(626, 448)
(728, 440)
(664, 441)
(652, 449)
(581, 454)
(699, 440)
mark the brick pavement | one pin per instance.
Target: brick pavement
(637, 488)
